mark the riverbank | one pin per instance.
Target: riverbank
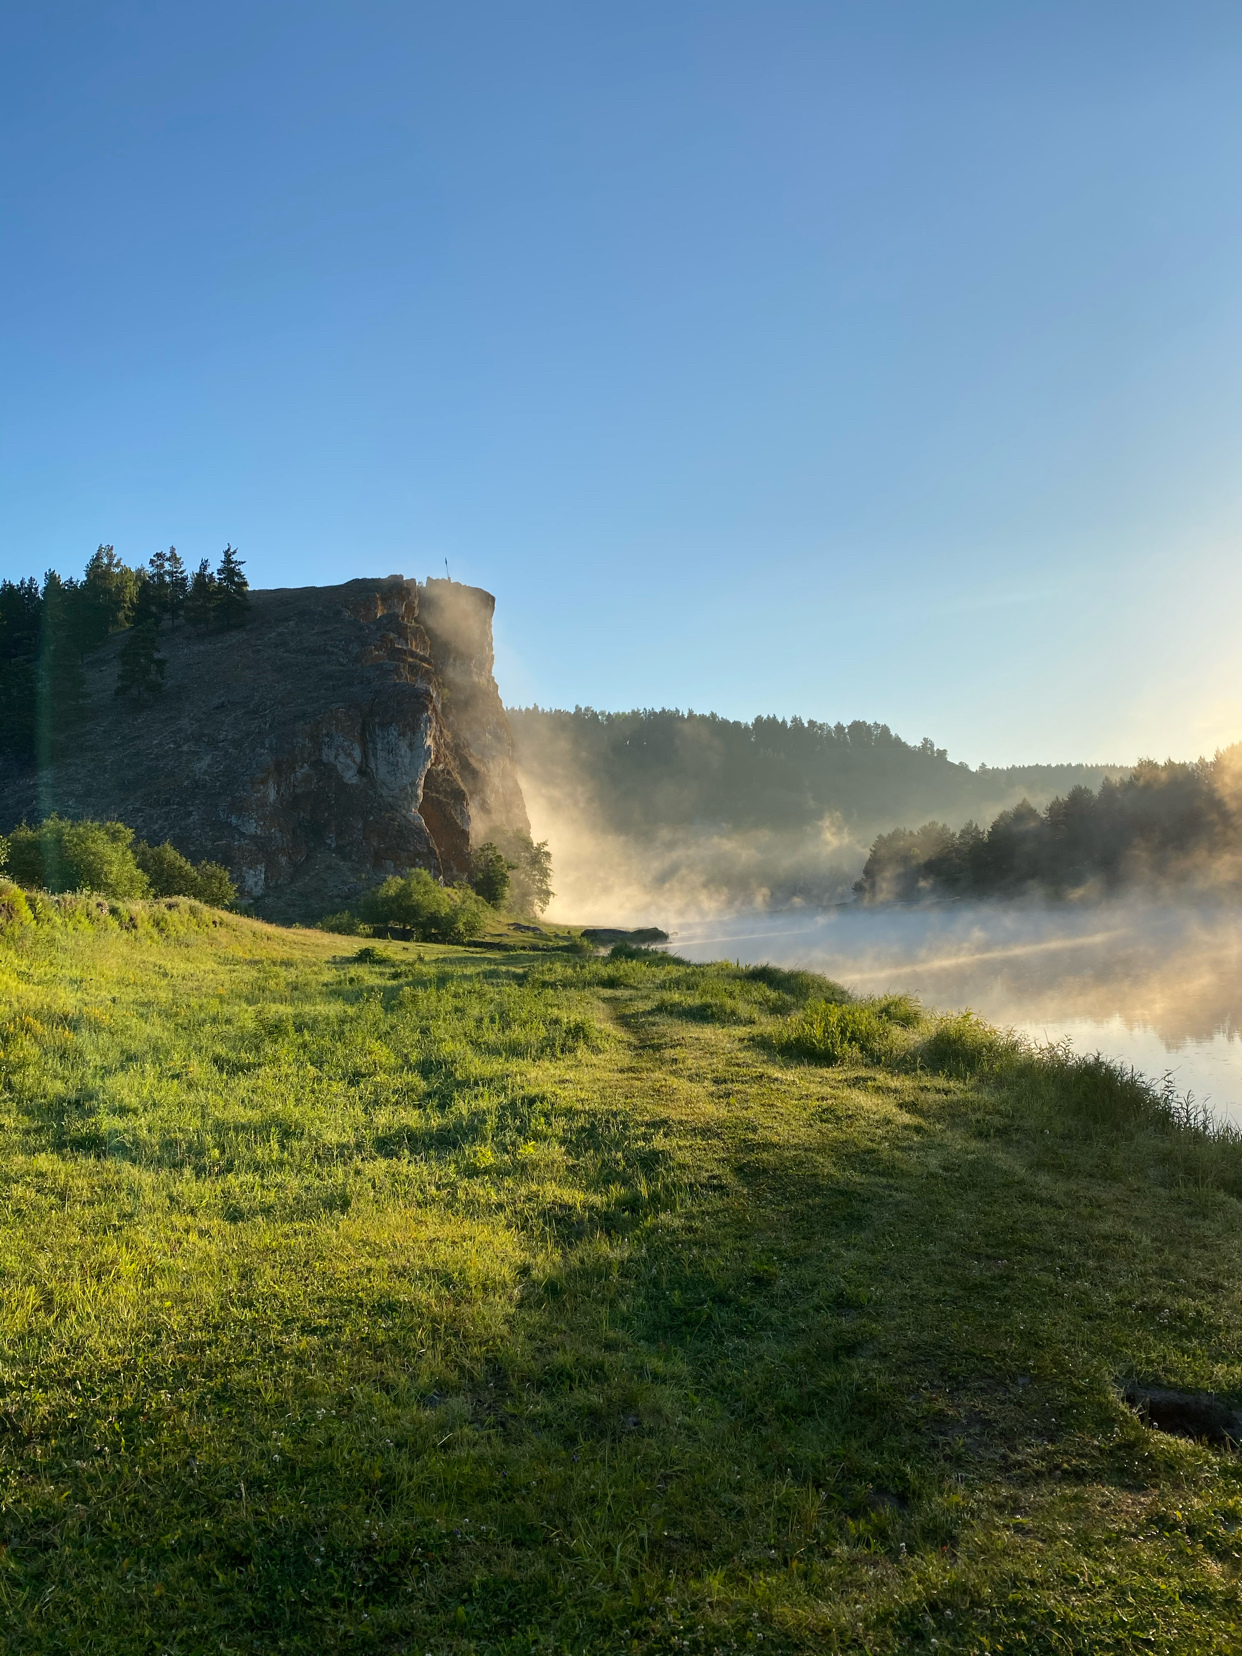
(1152, 983)
(459, 1301)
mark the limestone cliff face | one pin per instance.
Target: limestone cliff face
(344, 734)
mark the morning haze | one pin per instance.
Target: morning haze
(620, 829)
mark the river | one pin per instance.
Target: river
(1156, 985)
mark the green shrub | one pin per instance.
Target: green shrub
(832, 1032)
(343, 923)
(169, 874)
(215, 885)
(60, 855)
(105, 858)
(420, 904)
(14, 909)
(797, 985)
(529, 868)
(902, 1010)
(964, 1045)
(489, 874)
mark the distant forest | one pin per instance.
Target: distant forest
(1164, 823)
(658, 811)
(644, 771)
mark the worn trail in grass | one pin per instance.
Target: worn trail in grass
(462, 1304)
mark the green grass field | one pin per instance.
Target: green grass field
(457, 1301)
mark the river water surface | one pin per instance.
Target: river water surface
(1158, 986)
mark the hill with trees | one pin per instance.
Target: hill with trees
(691, 808)
(49, 629)
(1162, 824)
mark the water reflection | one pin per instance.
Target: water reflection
(1156, 985)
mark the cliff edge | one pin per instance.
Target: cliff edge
(344, 734)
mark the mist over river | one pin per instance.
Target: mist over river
(1156, 985)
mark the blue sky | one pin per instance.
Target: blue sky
(863, 360)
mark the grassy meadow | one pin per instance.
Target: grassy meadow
(457, 1301)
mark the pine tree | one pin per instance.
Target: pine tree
(169, 585)
(60, 683)
(142, 667)
(231, 590)
(109, 589)
(21, 616)
(200, 600)
(157, 574)
(21, 619)
(19, 705)
(178, 585)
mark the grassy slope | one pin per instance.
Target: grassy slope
(519, 1303)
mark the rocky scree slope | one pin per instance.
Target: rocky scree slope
(344, 734)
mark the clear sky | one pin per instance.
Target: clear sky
(852, 360)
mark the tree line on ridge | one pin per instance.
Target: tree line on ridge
(49, 628)
(652, 771)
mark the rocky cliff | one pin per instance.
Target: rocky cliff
(344, 734)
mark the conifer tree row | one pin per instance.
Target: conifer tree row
(232, 589)
(49, 628)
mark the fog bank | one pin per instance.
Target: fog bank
(688, 814)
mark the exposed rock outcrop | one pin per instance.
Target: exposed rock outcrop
(345, 733)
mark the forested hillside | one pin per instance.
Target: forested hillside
(648, 768)
(686, 809)
(1171, 823)
(48, 630)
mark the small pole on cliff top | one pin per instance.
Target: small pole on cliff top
(447, 576)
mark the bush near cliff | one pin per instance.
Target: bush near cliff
(418, 903)
(490, 873)
(529, 865)
(60, 855)
(515, 875)
(169, 874)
